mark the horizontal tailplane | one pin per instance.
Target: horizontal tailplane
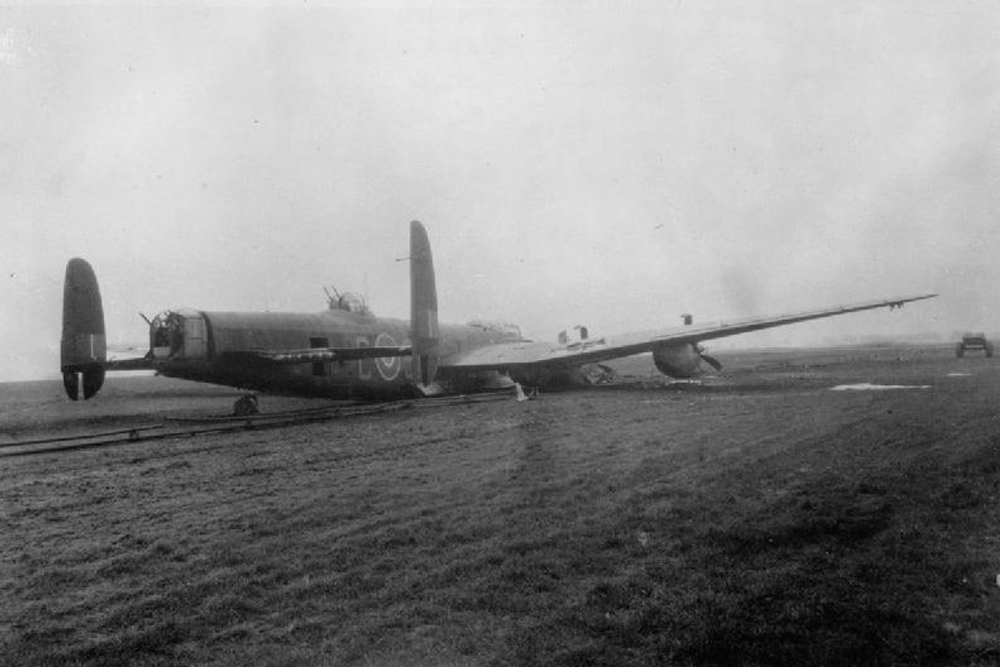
(83, 349)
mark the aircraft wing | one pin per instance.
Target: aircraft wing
(321, 354)
(526, 354)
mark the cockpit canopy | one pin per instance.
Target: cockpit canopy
(506, 330)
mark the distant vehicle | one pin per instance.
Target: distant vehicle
(974, 341)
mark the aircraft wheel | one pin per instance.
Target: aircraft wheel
(246, 405)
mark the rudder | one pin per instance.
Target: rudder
(83, 348)
(423, 308)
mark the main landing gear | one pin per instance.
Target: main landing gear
(521, 396)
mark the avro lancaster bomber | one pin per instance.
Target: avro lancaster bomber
(347, 352)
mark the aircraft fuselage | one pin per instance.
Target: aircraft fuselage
(201, 346)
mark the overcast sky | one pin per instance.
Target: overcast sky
(612, 164)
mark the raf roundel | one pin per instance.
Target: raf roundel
(387, 367)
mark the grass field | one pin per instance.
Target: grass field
(758, 518)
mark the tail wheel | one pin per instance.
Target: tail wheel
(246, 405)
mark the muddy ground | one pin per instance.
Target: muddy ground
(757, 518)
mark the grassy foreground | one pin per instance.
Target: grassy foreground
(764, 520)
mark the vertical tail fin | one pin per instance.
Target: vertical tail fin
(423, 307)
(83, 347)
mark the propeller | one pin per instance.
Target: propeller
(710, 360)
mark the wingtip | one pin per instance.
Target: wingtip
(913, 297)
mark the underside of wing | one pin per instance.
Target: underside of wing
(508, 356)
(320, 354)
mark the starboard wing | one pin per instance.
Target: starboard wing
(527, 354)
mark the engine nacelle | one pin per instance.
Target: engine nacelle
(678, 361)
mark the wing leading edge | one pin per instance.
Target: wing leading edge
(527, 354)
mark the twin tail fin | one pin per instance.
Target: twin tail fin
(83, 348)
(423, 308)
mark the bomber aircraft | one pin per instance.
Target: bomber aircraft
(347, 352)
